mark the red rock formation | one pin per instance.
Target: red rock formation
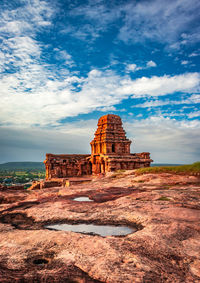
(164, 207)
(15, 187)
(110, 151)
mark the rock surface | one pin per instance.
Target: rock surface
(165, 208)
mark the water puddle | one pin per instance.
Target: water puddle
(40, 261)
(102, 230)
(82, 199)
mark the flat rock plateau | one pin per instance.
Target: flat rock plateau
(165, 209)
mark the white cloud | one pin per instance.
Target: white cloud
(156, 86)
(97, 16)
(64, 56)
(20, 51)
(52, 100)
(15, 27)
(168, 140)
(169, 23)
(32, 93)
(151, 64)
(27, 18)
(194, 54)
(141, 20)
(195, 114)
(193, 99)
(106, 109)
(131, 67)
(134, 67)
(184, 62)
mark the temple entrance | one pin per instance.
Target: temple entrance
(102, 167)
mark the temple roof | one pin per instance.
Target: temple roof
(110, 118)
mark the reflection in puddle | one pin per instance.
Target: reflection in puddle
(102, 230)
(82, 199)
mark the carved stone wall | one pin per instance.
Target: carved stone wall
(67, 165)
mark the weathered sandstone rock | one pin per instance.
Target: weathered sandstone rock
(164, 249)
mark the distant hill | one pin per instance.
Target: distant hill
(40, 165)
(164, 164)
(22, 165)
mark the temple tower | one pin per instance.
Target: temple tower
(110, 137)
(110, 148)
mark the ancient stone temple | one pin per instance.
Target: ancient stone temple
(110, 151)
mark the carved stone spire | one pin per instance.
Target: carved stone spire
(110, 137)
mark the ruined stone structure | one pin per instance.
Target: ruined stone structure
(110, 151)
(67, 165)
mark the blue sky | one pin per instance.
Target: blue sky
(63, 64)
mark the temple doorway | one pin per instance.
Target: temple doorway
(102, 168)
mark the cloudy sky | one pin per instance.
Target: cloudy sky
(65, 63)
